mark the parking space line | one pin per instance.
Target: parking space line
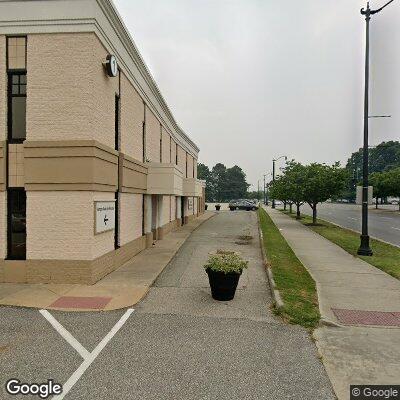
(397, 229)
(65, 334)
(92, 356)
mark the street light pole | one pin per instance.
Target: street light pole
(265, 201)
(273, 174)
(365, 249)
(273, 180)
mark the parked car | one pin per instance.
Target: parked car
(394, 202)
(242, 205)
(278, 203)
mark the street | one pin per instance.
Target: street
(178, 343)
(384, 224)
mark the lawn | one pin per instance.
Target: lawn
(386, 257)
(293, 281)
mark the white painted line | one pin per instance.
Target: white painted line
(92, 356)
(65, 334)
(354, 219)
(397, 229)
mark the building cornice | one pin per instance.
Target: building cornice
(56, 22)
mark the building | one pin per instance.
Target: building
(93, 165)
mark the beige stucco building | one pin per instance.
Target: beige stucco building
(93, 166)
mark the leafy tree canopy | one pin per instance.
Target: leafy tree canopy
(223, 184)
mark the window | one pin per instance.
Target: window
(16, 221)
(170, 149)
(16, 53)
(161, 143)
(144, 132)
(117, 122)
(16, 66)
(16, 107)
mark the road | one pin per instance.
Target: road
(178, 343)
(384, 223)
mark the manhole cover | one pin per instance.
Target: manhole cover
(359, 317)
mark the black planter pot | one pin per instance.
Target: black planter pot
(217, 208)
(223, 286)
(206, 206)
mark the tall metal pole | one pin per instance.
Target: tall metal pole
(364, 248)
(273, 180)
(265, 200)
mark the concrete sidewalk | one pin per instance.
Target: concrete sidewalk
(362, 300)
(122, 288)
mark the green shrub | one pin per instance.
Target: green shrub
(226, 261)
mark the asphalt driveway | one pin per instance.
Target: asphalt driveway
(178, 343)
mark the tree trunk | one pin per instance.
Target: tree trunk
(376, 203)
(298, 216)
(291, 207)
(314, 214)
(284, 205)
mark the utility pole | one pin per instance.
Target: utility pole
(265, 201)
(365, 249)
(273, 174)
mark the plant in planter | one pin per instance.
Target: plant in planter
(218, 207)
(206, 206)
(224, 269)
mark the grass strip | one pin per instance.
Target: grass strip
(297, 288)
(386, 257)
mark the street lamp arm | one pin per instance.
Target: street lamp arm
(276, 159)
(380, 9)
(372, 12)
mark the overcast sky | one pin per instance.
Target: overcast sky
(250, 80)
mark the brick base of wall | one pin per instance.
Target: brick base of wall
(85, 272)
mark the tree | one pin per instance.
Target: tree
(278, 189)
(204, 173)
(382, 158)
(322, 182)
(381, 185)
(235, 185)
(223, 184)
(393, 183)
(296, 175)
(218, 176)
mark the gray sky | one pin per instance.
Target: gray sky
(250, 80)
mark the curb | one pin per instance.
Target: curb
(276, 296)
(94, 311)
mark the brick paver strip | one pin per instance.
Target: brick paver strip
(81, 302)
(359, 317)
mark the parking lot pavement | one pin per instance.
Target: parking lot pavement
(178, 343)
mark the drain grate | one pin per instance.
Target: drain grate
(359, 317)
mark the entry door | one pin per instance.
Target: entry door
(16, 221)
(183, 210)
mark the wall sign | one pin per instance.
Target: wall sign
(111, 66)
(190, 203)
(104, 215)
